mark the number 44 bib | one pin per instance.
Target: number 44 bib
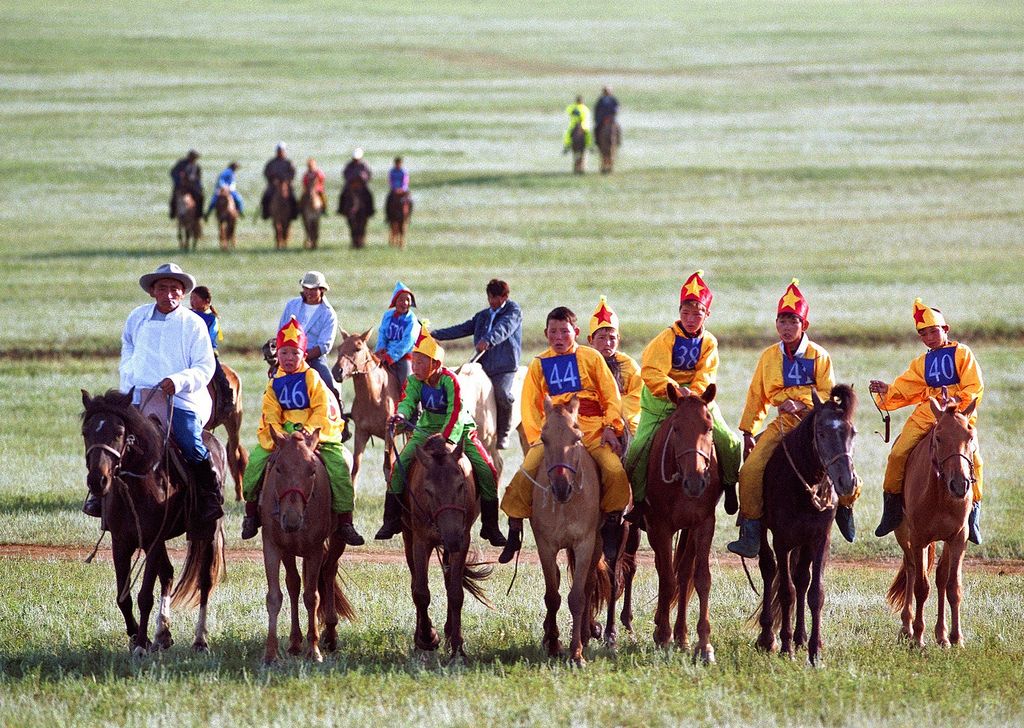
(940, 367)
(562, 374)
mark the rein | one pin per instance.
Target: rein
(429, 516)
(886, 418)
(676, 476)
(821, 492)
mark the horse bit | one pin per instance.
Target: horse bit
(677, 476)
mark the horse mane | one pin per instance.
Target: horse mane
(845, 399)
(435, 446)
(149, 441)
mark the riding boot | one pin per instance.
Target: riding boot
(636, 515)
(844, 520)
(93, 506)
(973, 524)
(346, 434)
(503, 420)
(251, 522)
(515, 540)
(731, 504)
(209, 500)
(489, 529)
(347, 531)
(392, 517)
(611, 536)
(749, 542)
(892, 513)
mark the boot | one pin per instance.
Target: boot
(636, 515)
(209, 501)
(392, 517)
(611, 536)
(503, 420)
(489, 523)
(892, 513)
(346, 434)
(731, 504)
(749, 543)
(844, 520)
(347, 531)
(93, 506)
(251, 522)
(973, 525)
(515, 540)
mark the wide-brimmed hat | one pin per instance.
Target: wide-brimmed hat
(315, 279)
(168, 270)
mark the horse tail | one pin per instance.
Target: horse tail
(475, 572)
(602, 588)
(203, 570)
(342, 606)
(683, 556)
(626, 564)
(897, 596)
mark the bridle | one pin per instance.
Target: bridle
(678, 475)
(821, 491)
(118, 455)
(937, 463)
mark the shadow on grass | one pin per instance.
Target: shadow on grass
(25, 504)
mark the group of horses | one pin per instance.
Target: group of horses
(145, 500)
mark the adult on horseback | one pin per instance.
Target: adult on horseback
(164, 346)
(226, 179)
(606, 128)
(313, 182)
(356, 178)
(605, 108)
(186, 176)
(278, 169)
(497, 333)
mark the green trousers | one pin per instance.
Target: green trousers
(654, 411)
(333, 455)
(485, 481)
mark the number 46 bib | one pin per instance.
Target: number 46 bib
(562, 373)
(940, 367)
(291, 391)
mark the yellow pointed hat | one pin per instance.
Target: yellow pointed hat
(925, 316)
(427, 344)
(603, 317)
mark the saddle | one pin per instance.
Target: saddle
(153, 405)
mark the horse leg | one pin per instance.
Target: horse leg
(579, 607)
(628, 573)
(426, 636)
(272, 566)
(769, 571)
(149, 574)
(702, 582)
(816, 601)
(661, 543)
(610, 630)
(311, 598)
(955, 590)
(241, 455)
(123, 551)
(456, 597)
(328, 576)
(165, 571)
(921, 589)
(358, 446)
(294, 583)
(684, 577)
(786, 596)
(942, 574)
(802, 581)
(552, 599)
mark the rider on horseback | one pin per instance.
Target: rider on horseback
(297, 398)
(564, 371)
(187, 176)
(356, 173)
(785, 377)
(278, 169)
(437, 390)
(606, 107)
(398, 333)
(947, 365)
(579, 116)
(201, 302)
(226, 179)
(313, 182)
(684, 355)
(604, 336)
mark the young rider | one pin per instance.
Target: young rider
(398, 333)
(201, 302)
(604, 336)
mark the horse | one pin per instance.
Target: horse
(281, 213)
(683, 489)
(810, 469)
(231, 420)
(609, 138)
(190, 226)
(295, 509)
(567, 515)
(227, 218)
(440, 508)
(144, 504)
(578, 138)
(477, 392)
(356, 204)
(937, 494)
(312, 207)
(624, 572)
(398, 209)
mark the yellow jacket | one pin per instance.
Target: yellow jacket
(775, 381)
(596, 385)
(630, 385)
(657, 370)
(913, 387)
(309, 403)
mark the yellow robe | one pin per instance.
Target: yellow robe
(322, 411)
(656, 363)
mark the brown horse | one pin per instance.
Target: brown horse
(937, 494)
(281, 213)
(144, 505)
(609, 137)
(398, 209)
(311, 206)
(295, 509)
(190, 226)
(238, 456)
(683, 488)
(227, 218)
(440, 508)
(578, 138)
(356, 204)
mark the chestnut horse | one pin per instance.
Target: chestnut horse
(311, 206)
(356, 204)
(295, 509)
(683, 489)
(280, 209)
(609, 137)
(810, 469)
(227, 218)
(579, 149)
(398, 210)
(238, 456)
(937, 493)
(188, 214)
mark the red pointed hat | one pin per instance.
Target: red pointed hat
(695, 289)
(793, 301)
(292, 334)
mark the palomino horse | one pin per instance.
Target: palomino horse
(398, 209)
(356, 204)
(227, 218)
(295, 509)
(311, 206)
(238, 456)
(144, 505)
(440, 508)
(579, 149)
(609, 137)
(567, 515)
(281, 213)
(683, 488)
(190, 226)
(810, 469)
(937, 493)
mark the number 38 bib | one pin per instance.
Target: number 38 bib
(686, 353)
(562, 374)
(291, 391)
(940, 367)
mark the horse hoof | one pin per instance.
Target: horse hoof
(595, 630)
(707, 656)
(554, 647)
(269, 659)
(200, 648)
(139, 652)
(315, 656)
(611, 641)
(578, 662)
(459, 659)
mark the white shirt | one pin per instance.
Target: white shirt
(174, 346)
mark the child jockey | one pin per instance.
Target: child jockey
(201, 302)
(604, 336)
(566, 370)
(437, 390)
(946, 364)
(297, 398)
(786, 374)
(685, 355)
(399, 330)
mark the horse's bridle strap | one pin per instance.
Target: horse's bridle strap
(288, 491)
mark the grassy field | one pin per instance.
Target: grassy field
(872, 149)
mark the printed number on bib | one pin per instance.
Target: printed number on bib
(291, 391)
(686, 353)
(434, 399)
(562, 373)
(940, 367)
(797, 372)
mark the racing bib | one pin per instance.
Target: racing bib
(797, 372)
(940, 367)
(395, 331)
(291, 391)
(686, 353)
(434, 399)
(562, 374)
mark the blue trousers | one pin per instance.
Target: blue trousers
(234, 194)
(503, 398)
(320, 365)
(188, 433)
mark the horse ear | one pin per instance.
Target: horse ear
(344, 334)
(86, 399)
(365, 335)
(457, 452)
(815, 398)
(278, 438)
(313, 439)
(709, 393)
(969, 409)
(547, 405)
(936, 407)
(422, 456)
(673, 393)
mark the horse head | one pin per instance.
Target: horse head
(269, 351)
(563, 440)
(833, 436)
(690, 441)
(291, 479)
(952, 446)
(116, 435)
(443, 483)
(354, 356)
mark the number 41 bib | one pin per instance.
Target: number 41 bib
(562, 374)
(940, 367)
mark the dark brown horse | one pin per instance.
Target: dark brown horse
(608, 137)
(683, 488)
(227, 218)
(578, 137)
(144, 505)
(810, 469)
(356, 204)
(188, 214)
(231, 420)
(398, 209)
(937, 494)
(281, 213)
(440, 508)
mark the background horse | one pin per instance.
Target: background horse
(231, 420)
(579, 149)
(144, 505)
(440, 508)
(398, 209)
(227, 218)
(937, 494)
(281, 213)
(811, 467)
(477, 392)
(312, 208)
(683, 488)
(190, 226)
(295, 509)
(356, 204)
(609, 137)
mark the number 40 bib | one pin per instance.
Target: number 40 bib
(940, 367)
(562, 374)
